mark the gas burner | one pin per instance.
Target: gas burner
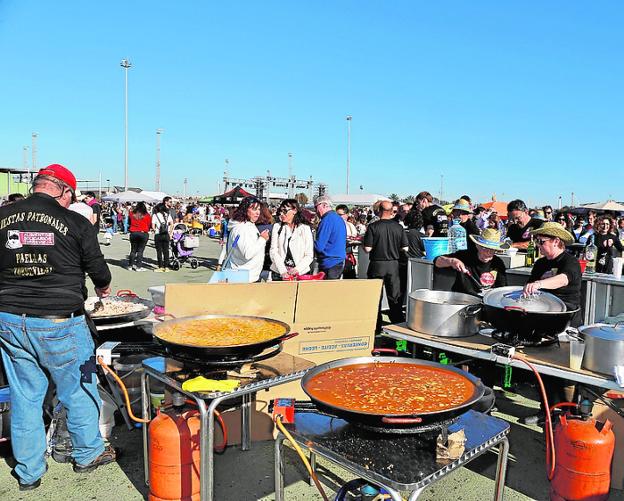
(432, 429)
(226, 361)
(517, 339)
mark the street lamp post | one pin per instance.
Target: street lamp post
(34, 151)
(158, 133)
(126, 65)
(25, 159)
(348, 149)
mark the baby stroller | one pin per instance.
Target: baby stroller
(183, 244)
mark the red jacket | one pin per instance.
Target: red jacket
(144, 224)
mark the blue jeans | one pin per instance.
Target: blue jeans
(64, 348)
(115, 224)
(334, 272)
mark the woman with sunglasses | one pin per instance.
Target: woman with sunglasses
(608, 242)
(557, 272)
(292, 244)
(248, 253)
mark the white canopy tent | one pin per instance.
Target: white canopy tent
(156, 195)
(363, 199)
(130, 196)
(608, 205)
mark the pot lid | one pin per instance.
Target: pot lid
(607, 332)
(541, 302)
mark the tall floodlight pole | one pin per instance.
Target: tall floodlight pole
(25, 158)
(158, 133)
(185, 184)
(34, 151)
(348, 149)
(126, 65)
(441, 187)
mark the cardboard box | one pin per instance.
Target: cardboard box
(601, 412)
(273, 300)
(335, 319)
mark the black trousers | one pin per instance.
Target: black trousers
(161, 242)
(138, 241)
(388, 271)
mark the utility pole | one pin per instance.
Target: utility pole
(34, 151)
(158, 133)
(290, 176)
(349, 117)
(185, 184)
(572, 201)
(126, 65)
(25, 159)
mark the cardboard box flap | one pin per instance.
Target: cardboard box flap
(273, 300)
(337, 300)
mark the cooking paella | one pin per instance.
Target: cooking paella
(390, 388)
(215, 332)
(113, 306)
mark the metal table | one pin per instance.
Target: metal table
(396, 463)
(280, 369)
(548, 360)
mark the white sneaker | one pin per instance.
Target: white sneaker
(141, 269)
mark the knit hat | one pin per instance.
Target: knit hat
(490, 239)
(61, 173)
(553, 229)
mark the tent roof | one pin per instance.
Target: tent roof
(237, 191)
(365, 199)
(499, 207)
(608, 205)
(130, 196)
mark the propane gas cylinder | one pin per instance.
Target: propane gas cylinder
(174, 456)
(584, 450)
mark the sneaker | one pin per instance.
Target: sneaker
(133, 268)
(108, 456)
(33, 485)
(141, 269)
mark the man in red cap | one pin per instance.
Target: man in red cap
(43, 332)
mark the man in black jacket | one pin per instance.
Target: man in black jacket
(385, 240)
(43, 332)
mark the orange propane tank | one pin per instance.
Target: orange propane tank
(584, 450)
(174, 456)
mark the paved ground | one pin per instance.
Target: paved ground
(249, 475)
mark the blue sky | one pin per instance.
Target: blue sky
(521, 99)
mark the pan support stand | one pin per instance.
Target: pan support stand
(500, 442)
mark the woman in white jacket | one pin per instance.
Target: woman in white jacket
(248, 254)
(292, 244)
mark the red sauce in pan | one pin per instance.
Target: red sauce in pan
(390, 388)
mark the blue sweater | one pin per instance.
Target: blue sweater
(331, 240)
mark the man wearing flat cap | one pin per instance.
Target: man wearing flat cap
(46, 251)
(478, 268)
(557, 272)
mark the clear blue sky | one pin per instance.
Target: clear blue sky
(522, 99)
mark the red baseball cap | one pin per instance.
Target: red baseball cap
(61, 173)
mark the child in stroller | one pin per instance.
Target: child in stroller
(183, 245)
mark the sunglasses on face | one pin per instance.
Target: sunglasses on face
(285, 210)
(541, 241)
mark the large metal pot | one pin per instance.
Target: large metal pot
(542, 314)
(444, 314)
(604, 347)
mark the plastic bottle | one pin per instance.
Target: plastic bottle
(591, 252)
(457, 237)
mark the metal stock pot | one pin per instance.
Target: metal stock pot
(604, 347)
(445, 314)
